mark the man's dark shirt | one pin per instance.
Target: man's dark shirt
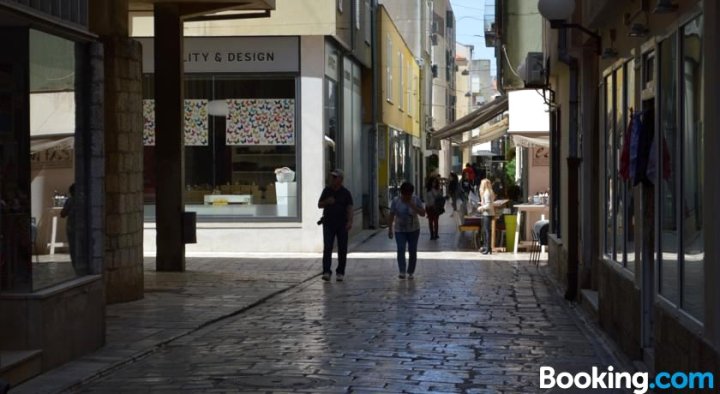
(336, 213)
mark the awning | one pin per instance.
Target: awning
(531, 142)
(58, 142)
(474, 119)
(489, 133)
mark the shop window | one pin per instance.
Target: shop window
(238, 132)
(609, 166)
(680, 170)
(399, 161)
(693, 171)
(331, 123)
(619, 200)
(668, 170)
(40, 218)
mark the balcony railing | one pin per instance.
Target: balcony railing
(73, 11)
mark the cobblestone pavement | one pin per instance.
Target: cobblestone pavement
(467, 323)
(462, 325)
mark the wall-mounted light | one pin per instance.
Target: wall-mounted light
(465, 72)
(557, 12)
(609, 53)
(468, 94)
(638, 30)
(664, 7)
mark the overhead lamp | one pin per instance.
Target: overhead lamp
(557, 12)
(609, 53)
(638, 30)
(665, 7)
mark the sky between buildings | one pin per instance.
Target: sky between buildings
(469, 21)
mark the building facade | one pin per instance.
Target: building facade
(287, 93)
(413, 20)
(631, 240)
(444, 95)
(400, 111)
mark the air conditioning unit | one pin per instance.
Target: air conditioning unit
(533, 70)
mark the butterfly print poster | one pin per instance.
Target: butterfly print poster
(195, 117)
(260, 122)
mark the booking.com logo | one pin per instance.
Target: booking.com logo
(639, 382)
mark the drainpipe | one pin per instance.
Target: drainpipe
(374, 197)
(573, 164)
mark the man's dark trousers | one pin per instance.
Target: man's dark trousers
(330, 231)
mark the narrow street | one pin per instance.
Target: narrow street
(466, 323)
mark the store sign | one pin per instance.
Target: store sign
(232, 54)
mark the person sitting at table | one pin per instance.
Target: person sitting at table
(486, 208)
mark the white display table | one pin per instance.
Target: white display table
(55, 213)
(210, 199)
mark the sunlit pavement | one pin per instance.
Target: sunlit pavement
(466, 323)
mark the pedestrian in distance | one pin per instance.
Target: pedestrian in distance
(453, 190)
(404, 226)
(68, 211)
(469, 173)
(486, 208)
(337, 220)
(435, 206)
(465, 189)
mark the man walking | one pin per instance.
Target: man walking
(337, 204)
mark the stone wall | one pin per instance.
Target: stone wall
(124, 170)
(65, 321)
(620, 309)
(679, 349)
(557, 260)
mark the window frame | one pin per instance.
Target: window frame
(676, 308)
(621, 190)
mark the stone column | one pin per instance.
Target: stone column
(169, 137)
(123, 268)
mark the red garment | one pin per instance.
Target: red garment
(470, 173)
(624, 169)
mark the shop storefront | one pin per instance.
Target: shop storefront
(50, 212)
(241, 126)
(259, 112)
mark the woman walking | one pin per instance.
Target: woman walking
(435, 206)
(405, 210)
(487, 209)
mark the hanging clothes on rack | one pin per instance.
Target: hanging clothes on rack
(642, 152)
(624, 170)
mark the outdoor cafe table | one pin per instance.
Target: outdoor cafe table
(543, 209)
(476, 220)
